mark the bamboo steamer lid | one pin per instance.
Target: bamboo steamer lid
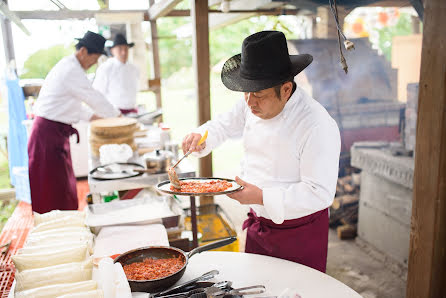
(113, 127)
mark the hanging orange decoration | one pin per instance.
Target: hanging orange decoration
(357, 28)
(383, 18)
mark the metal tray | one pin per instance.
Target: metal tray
(125, 170)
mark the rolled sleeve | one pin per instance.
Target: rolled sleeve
(86, 113)
(81, 88)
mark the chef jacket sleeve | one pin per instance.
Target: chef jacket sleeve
(86, 113)
(81, 88)
(101, 79)
(319, 166)
(226, 125)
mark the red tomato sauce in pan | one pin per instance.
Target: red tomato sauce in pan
(153, 268)
(203, 187)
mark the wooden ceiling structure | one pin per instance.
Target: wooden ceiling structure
(427, 262)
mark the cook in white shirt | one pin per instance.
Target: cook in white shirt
(66, 97)
(118, 79)
(292, 147)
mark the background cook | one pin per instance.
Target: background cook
(60, 104)
(117, 78)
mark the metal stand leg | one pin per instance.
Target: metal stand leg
(193, 219)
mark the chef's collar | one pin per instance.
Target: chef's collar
(73, 56)
(289, 104)
(117, 62)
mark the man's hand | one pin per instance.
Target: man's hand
(190, 143)
(95, 117)
(250, 194)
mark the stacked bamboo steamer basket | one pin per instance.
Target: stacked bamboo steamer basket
(112, 131)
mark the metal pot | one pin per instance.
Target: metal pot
(158, 161)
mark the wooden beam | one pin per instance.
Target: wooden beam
(155, 57)
(389, 3)
(162, 8)
(90, 14)
(200, 42)
(427, 255)
(418, 6)
(71, 14)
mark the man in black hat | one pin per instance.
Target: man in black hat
(291, 146)
(61, 103)
(118, 79)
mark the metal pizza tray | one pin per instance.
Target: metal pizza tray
(165, 187)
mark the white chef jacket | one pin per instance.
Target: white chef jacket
(64, 89)
(118, 82)
(293, 157)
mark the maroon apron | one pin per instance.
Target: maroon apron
(51, 175)
(303, 240)
(128, 111)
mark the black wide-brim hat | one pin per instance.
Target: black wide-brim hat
(93, 42)
(263, 63)
(121, 40)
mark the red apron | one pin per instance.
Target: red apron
(128, 111)
(51, 175)
(303, 240)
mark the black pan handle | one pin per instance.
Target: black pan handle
(205, 276)
(212, 245)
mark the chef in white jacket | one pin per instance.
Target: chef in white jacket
(291, 151)
(117, 78)
(66, 97)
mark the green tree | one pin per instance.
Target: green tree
(40, 63)
(223, 43)
(402, 27)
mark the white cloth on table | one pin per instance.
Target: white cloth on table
(118, 82)
(65, 89)
(293, 157)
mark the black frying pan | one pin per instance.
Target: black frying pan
(163, 252)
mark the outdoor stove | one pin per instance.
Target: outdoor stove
(363, 101)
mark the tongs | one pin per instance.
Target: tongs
(201, 141)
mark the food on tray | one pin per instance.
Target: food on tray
(153, 268)
(62, 222)
(88, 294)
(64, 273)
(55, 214)
(58, 290)
(197, 186)
(173, 178)
(60, 238)
(45, 259)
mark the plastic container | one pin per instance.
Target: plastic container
(22, 188)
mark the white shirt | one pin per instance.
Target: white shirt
(292, 157)
(65, 88)
(118, 82)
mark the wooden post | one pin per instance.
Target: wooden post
(8, 43)
(200, 40)
(155, 58)
(324, 25)
(427, 255)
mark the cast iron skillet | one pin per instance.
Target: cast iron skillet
(163, 252)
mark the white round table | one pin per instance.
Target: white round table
(275, 274)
